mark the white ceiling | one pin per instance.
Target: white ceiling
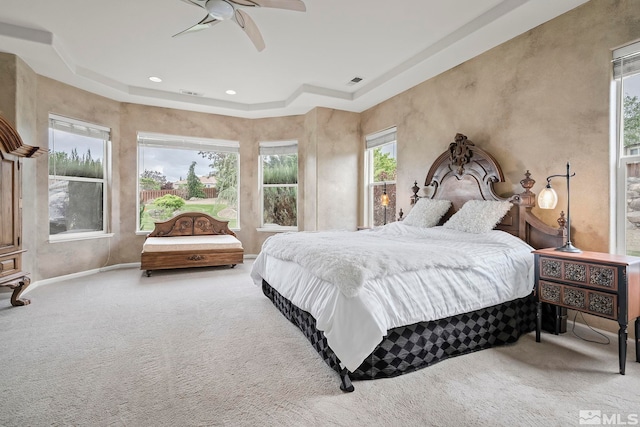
(112, 47)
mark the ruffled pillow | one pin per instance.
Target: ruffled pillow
(478, 216)
(427, 213)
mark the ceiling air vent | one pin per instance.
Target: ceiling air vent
(189, 92)
(354, 81)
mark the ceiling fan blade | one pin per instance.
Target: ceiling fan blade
(246, 23)
(297, 5)
(199, 3)
(207, 22)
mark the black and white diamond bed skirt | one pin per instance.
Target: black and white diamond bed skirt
(409, 348)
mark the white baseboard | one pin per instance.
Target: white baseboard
(57, 279)
(120, 266)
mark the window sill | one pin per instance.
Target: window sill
(71, 238)
(276, 229)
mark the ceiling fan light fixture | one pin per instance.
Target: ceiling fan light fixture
(220, 9)
(230, 10)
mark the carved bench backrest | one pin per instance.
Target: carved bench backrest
(191, 224)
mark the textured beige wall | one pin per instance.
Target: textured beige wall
(308, 172)
(140, 118)
(330, 166)
(8, 86)
(338, 150)
(534, 102)
(61, 258)
(287, 128)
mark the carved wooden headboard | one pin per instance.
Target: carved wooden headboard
(466, 172)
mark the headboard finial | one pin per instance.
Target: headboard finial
(460, 152)
(415, 189)
(528, 182)
(527, 198)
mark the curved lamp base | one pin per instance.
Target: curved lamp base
(568, 248)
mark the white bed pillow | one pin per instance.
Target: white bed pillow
(427, 213)
(478, 216)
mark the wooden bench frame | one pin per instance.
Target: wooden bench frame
(190, 224)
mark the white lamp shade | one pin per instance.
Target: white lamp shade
(548, 198)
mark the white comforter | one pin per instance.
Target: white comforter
(358, 285)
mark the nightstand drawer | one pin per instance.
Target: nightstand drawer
(583, 299)
(593, 275)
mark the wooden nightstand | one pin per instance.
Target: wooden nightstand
(604, 285)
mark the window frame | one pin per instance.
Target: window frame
(277, 148)
(619, 159)
(83, 128)
(376, 140)
(167, 141)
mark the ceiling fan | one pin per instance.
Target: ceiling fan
(224, 10)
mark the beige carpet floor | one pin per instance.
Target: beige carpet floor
(204, 347)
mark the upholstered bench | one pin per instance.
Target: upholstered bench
(190, 239)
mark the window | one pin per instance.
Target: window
(77, 178)
(279, 184)
(626, 109)
(181, 174)
(380, 177)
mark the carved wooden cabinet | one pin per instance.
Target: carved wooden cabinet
(600, 284)
(12, 149)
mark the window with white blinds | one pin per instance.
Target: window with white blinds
(78, 161)
(626, 136)
(380, 177)
(279, 185)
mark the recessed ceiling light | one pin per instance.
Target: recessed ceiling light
(155, 79)
(230, 92)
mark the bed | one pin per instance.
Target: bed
(455, 276)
